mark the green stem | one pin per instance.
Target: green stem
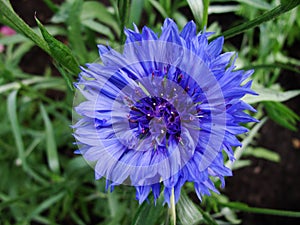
(272, 66)
(269, 15)
(205, 13)
(207, 217)
(246, 208)
(173, 208)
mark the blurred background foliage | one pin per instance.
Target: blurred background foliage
(43, 182)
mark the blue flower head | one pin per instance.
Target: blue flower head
(160, 112)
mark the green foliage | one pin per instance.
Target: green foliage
(43, 182)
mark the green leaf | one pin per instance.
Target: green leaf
(74, 31)
(159, 8)
(284, 66)
(197, 8)
(51, 148)
(27, 82)
(282, 115)
(136, 11)
(188, 213)
(230, 215)
(61, 53)
(263, 153)
(124, 9)
(207, 217)
(98, 27)
(205, 13)
(269, 15)
(93, 10)
(249, 138)
(16, 130)
(46, 204)
(222, 9)
(149, 214)
(51, 5)
(238, 164)
(259, 4)
(269, 94)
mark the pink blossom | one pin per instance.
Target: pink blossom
(7, 31)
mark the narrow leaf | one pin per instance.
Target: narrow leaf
(282, 115)
(98, 27)
(188, 213)
(269, 15)
(259, 4)
(240, 150)
(74, 31)
(92, 10)
(136, 9)
(149, 214)
(159, 8)
(46, 204)
(60, 52)
(124, 9)
(196, 7)
(51, 148)
(13, 118)
(262, 153)
(268, 94)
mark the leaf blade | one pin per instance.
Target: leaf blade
(52, 155)
(269, 15)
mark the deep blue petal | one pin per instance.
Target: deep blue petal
(215, 47)
(189, 31)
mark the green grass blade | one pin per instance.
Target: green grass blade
(197, 9)
(51, 5)
(259, 4)
(205, 13)
(159, 8)
(124, 9)
(272, 66)
(74, 31)
(93, 10)
(136, 9)
(269, 15)
(282, 115)
(51, 148)
(262, 153)
(46, 204)
(13, 118)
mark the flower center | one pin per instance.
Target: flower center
(155, 118)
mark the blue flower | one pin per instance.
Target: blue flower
(159, 112)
